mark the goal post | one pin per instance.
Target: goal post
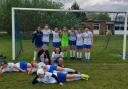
(125, 36)
(64, 10)
(13, 33)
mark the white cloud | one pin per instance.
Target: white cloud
(118, 5)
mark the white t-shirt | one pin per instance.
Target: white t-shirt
(40, 65)
(46, 34)
(34, 70)
(72, 36)
(10, 67)
(79, 40)
(88, 37)
(48, 67)
(56, 37)
(47, 78)
(56, 55)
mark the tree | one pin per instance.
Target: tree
(80, 16)
(99, 16)
(103, 16)
(25, 17)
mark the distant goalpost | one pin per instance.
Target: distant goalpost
(63, 10)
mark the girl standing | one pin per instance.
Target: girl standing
(79, 43)
(72, 43)
(88, 41)
(64, 42)
(37, 40)
(56, 38)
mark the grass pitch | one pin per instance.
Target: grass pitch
(106, 70)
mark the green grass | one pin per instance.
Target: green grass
(106, 70)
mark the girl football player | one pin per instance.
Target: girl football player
(51, 68)
(88, 40)
(72, 43)
(57, 77)
(37, 40)
(23, 66)
(56, 38)
(64, 41)
(44, 55)
(46, 32)
(79, 43)
(57, 57)
(8, 67)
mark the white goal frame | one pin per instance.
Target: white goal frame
(64, 10)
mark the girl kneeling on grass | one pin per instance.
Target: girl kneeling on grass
(57, 57)
(57, 77)
(43, 58)
(44, 55)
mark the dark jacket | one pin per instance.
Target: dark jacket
(46, 55)
(37, 38)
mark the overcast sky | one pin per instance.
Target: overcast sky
(118, 5)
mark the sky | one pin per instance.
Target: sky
(110, 5)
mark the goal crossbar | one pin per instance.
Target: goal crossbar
(65, 10)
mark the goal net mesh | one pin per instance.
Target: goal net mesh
(107, 31)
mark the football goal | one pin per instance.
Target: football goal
(110, 35)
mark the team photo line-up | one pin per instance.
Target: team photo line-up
(65, 41)
(48, 69)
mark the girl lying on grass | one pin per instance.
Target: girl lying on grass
(50, 68)
(8, 67)
(18, 67)
(57, 77)
(23, 66)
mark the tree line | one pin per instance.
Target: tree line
(29, 20)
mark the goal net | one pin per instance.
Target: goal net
(109, 42)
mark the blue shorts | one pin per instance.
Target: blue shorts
(79, 47)
(38, 45)
(87, 46)
(61, 76)
(23, 65)
(46, 43)
(56, 44)
(52, 68)
(72, 42)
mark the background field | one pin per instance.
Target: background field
(106, 70)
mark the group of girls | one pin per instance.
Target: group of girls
(69, 40)
(44, 73)
(32, 67)
(50, 69)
